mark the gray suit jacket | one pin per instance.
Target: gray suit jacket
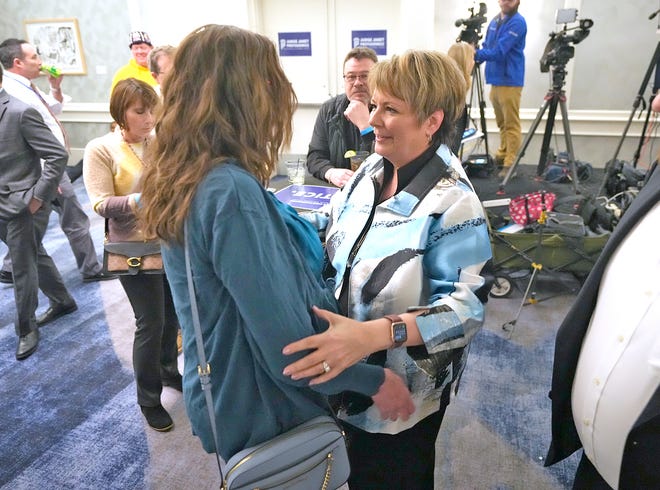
(24, 141)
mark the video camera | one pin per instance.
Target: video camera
(559, 48)
(471, 32)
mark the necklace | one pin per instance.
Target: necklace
(141, 150)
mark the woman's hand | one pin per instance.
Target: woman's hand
(346, 342)
(393, 399)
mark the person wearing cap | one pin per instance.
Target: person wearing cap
(137, 67)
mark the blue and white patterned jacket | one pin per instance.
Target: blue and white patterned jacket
(425, 246)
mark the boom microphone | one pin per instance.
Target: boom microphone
(460, 22)
(650, 16)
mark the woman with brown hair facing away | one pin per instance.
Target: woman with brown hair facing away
(227, 108)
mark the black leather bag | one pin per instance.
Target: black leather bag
(131, 258)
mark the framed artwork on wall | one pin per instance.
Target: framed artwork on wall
(58, 43)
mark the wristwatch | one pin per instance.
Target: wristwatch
(398, 330)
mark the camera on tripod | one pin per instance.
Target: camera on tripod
(560, 48)
(471, 32)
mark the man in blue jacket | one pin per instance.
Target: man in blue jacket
(505, 72)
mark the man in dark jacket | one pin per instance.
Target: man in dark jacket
(606, 376)
(502, 51)
(343, 122)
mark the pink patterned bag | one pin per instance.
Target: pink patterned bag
(526, 209)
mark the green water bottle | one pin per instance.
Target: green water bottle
(51, 70)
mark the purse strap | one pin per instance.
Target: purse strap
(203, 368)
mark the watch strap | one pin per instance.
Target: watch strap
(394, 319)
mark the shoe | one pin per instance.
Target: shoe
(100, 276)
(27, 344)
(157, 418)
(54, 312)
(175, 382)
(6, 277)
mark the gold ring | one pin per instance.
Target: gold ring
(326, 367)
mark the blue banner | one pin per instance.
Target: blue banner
(376, 40)
(311, 197)
(295, 43)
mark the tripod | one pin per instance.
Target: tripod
(638, 99)
(555, 96)
(478, 86)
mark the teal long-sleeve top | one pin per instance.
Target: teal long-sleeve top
(254, 291)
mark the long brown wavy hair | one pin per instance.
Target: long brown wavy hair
(226, 97)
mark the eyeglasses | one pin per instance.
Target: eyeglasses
(352, 78)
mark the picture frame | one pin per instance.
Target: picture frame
(58, 43)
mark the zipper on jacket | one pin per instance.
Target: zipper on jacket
(343, 295)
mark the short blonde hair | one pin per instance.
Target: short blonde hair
(463, 54)
(427, 81)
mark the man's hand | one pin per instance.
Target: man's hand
(56, 87)
(34, 205)
(393, 398)
(338, 176)
(358, 113)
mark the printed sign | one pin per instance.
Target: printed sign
(376, 40)
(310, 197)
(295, 43)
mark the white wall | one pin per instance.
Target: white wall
(602, 82)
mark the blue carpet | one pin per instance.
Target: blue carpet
(70, 407)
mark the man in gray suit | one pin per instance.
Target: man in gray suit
(22, 64)
(25, 195)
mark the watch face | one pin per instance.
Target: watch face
(399, 332)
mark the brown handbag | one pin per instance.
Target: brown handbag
(131, 258)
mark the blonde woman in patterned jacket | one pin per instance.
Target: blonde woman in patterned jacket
(406, 240)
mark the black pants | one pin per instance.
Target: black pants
(403, 461)
(588, 478)
(154, 345)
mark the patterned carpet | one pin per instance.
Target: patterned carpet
(70, 420)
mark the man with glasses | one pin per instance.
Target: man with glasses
(343, 122)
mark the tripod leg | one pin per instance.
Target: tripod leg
(549, 124)
(569, 142)
(482, 107)
(640, 96)
(643, 135)
(525, 144)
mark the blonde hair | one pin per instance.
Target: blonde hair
(463, 54)
(226, 97)
(427, 81)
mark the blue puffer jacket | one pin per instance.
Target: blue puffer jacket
(503, 51)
